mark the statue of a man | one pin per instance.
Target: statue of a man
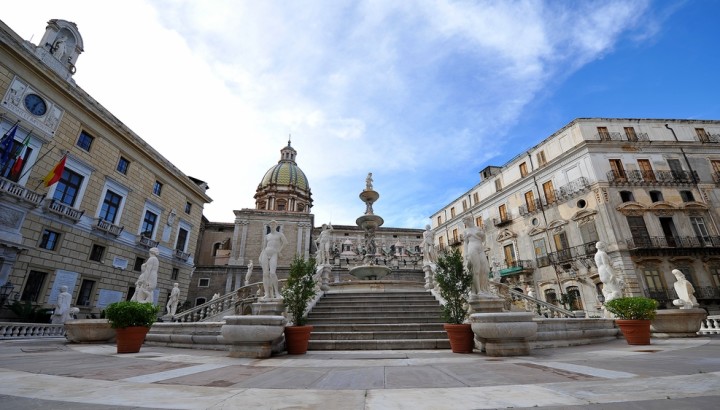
(369, 182)
(58, 49)
(173, 300)
(147, 281)
(475, 258)
(249, 273)
(612, 286)
(274, 242)
(323, 244)
(61, 314)
(429, 254)
(685, 291)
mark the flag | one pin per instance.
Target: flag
(56, 173)
(7, 143)
(19, 154)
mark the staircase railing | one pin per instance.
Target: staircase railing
(541, 308)
(244, 295)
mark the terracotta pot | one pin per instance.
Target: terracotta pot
(636, 332)
(129, 339)
(297, 339)
(462, 338)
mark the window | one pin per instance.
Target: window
(479, 221)
(626, 196)
(137, 267)
(281, 205)
(33, 286)
(502, 210)
(441, 242)
(49, 240)
(675, 168)
(541, 158)
(653, 279)
(589, 234)
(85, 140)
(188, 207)
(203, 282)
(646, 170)
(603, 133)
(476, 196)
(68, 187)
(199, 301)
(715, 164)
(23, 152)
(148, 225)
(575, 299)
(698, 225)
(157, 188)
(638, 231)
(549, 192)
(541, 252)
(656, 196)
(439, 220)
(530, 201)
(181, 239)
(97, 252)
(110, 206)
(498, 185)
(456, 237)
(509, 253)
(687, 196)
(122, 165)
(617, 169)
(551, 296)
(630, 133)
(174, 274)
(452, 212)
(85, 293)
(464, 204)
(523, 170)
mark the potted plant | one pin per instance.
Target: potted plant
(633, 317)
(454, 281)
(297, 293)
(131, 321)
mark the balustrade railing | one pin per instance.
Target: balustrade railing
(12, 330)
(59, 208)
(584, 251)
(109, 227)
(515, 267)
(20, 192)
(659, 242)
(651, 177)
(530, 304)
(184, 256)
(710, 326)
(617, 136)
(709, 138)
(145, 241)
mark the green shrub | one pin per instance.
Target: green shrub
(454, 282)
(29, 313)
(299, 289)
(128, 313)
(633, 308)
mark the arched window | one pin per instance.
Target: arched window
(200, 301)
(215, 248)
(551, 296)
(575, 299)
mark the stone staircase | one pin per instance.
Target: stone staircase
(377, 321)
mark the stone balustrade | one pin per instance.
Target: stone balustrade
(11, 330)
(710, 326)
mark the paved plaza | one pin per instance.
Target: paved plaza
(669, 374)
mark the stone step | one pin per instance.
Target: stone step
(368, 319)
(340, 309)
(404, 302)
(374, 296)
(398, 335)
(388, 314)
(400, 344)
(378, 327)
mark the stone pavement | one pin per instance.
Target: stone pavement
(669, 374)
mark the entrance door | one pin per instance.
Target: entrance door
(646, 170)
(639, 231)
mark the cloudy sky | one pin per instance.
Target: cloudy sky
(423, 94)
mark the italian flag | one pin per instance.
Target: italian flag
(17, 167)
(56, 173)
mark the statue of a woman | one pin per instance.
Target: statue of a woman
(475, 258)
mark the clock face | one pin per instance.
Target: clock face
(35, 104)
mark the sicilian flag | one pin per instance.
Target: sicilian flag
(56, 173)
(19, 157)
(7, 143)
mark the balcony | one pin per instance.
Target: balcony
(516, 267)
(702, 293)
(529, 209)
(147, 242)
(709, 138)
(502, 221)
(183, 256)
(20, 193)
(661, 242)
(636, 177)
(581, 252)
(108, 227)
(58, 208)
(617, 136)
(571, 189)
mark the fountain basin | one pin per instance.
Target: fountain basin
(368, 222)
(369, 272)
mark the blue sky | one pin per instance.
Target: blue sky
(424, 94)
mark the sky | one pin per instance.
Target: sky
(424, 94)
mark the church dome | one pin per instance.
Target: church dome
(284, 187)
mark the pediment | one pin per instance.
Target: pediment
(505, 234)
(536, 230)
(557, 225)
(631, 208)
(695, 206)
(662, 205)
(584, 215)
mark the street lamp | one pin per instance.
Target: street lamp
(5, 291)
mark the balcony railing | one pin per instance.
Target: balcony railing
(184, 256)
(584, 251)
(542, 261)
(516, 267)
(617, 136)
(571, 189)
(20, 192)
(658, 242)
(709, 138)
(108, 227)
(502, 221)
(58, 208)
(147, 242)
(668, 295)
(636, 177)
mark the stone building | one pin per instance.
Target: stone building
(648, 188)
(115, 198)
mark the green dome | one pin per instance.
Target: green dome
(285, 173)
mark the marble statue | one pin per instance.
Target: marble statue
(249, 273)
(475, 258)
(147, 281)
(58, 49)
(173, 300)
(369, 182)
(612, 286)
(215, 296)
(429, 254)
(323, 244)
(61, 314)
(685, 291)
(275, 241)
(530, 291)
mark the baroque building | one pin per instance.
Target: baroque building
(113, 196)
(648, 188)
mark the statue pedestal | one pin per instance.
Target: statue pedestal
(485, 304)
(252, 336)
(677, 323)
(272, 307)
(504, 333)
(428, 269)
(325, 276)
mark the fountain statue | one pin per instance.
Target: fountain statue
(369, 223)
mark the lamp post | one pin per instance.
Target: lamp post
(5, 292)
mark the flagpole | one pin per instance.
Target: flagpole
(38, 160)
